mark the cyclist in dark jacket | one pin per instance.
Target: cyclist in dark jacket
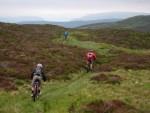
(38, 74)
(66, 35)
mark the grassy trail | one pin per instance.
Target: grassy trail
(101, 48)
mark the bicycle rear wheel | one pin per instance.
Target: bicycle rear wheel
(90, 66)
(34, 95)
(35, 92)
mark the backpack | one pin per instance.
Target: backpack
(66, 33)
(90, 55)
(38, 71)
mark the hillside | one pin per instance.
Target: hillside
(119, 37)
(110, 15)
(119, 82)
(138, 23)
(22, 46)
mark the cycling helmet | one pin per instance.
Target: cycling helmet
(39, 65)
(91, 50)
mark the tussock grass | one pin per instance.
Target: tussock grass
(58, 96)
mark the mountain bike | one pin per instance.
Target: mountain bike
(90, 65)
(36, 90)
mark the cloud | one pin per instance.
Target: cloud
(68, 9)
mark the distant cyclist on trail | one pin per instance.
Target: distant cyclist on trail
(37, 74)
(66, 33)
(90, 58)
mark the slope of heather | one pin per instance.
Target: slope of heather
(21, 47)
(123, 37)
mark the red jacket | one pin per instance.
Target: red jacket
(90, 56)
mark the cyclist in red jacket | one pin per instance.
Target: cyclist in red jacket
(90, 58)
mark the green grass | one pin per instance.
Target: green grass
(147, 85)
(101, 48)
(58, 96)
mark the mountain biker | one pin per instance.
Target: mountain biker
(90, 58)
(66, 35)
(37, 74)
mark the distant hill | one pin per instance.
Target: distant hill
(20, 18)
(109, 15)
(70, 24)
(85, 20)
(89, 19)
(137, 22)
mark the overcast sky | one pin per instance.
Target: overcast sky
(69, 9)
